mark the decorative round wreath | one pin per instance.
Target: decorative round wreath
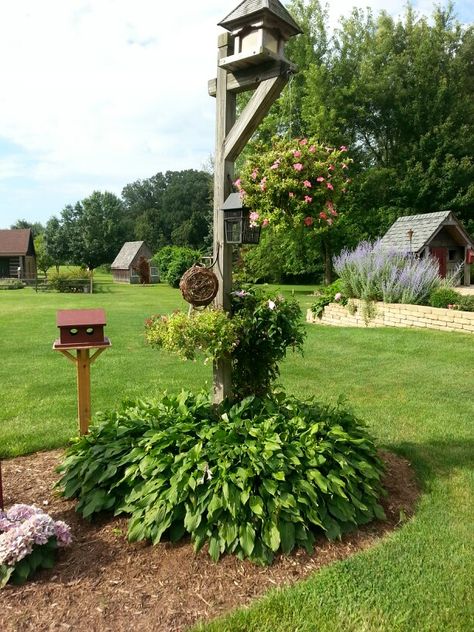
(199, 285)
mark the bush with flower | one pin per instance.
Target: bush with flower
(29, 538)
(295, 183)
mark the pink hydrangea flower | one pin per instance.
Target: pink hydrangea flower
(298, 166)
(308, 199)
(307, 184)
(308, 221)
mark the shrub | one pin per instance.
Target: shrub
(331, 293)
(11, 284)
(465, 303)
(72, 281)
(256, 337)
(444, 296)
(173, 261)
(253, 478)
(375, 273)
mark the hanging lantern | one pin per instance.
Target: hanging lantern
(237, 226)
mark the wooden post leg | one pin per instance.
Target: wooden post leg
(83, 390)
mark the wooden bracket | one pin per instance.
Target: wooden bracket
(251, 78)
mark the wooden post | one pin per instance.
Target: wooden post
(1, 488)
(83, 390)
(223, 178)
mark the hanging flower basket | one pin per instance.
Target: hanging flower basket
(295, 183)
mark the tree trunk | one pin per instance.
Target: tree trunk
(91, 277)
(327, 262)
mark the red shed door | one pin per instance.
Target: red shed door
(441, 255)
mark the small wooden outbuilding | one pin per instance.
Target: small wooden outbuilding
(125, 266)
(438, 234)
(17, 254)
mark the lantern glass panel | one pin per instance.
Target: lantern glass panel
(233, 231)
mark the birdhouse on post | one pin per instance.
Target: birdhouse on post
(81, 330)
(250, 57)
(260, 30)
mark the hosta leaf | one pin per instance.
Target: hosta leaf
(256, 505)
(247, 538)
(214, 548)
(287, 536)
(271, 536)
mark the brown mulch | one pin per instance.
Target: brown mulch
(104, 583)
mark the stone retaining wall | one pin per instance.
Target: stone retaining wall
(394, 315)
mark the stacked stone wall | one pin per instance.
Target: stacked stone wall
(357, 314)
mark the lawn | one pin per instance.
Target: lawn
(412, 387)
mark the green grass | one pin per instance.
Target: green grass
(414, 388)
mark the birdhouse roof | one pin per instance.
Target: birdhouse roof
(127, 254)
(424, 226)
(80, 317)
(251, 9)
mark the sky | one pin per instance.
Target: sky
(95, 94)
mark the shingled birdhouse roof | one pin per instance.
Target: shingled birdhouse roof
(260, 9)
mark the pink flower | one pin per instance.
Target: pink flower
(307, 184)
(265, 223)
(298, 166)
(329, 186)
(320, 179)
(253, 216)
(337, 296)
(262, 184)
(243, 193)
(323, 215)
(296, 153)
(308, 199)
(237, 184)
(291, 194)
(331, 167)
(303, 141)
(329, 221)
(312, 149)
(308, 221)
(254, 174)
(343, 148)
(275, 165)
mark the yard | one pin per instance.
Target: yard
(412, 387)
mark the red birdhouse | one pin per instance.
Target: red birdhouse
(81, 328)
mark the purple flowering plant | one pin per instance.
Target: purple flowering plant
(297, 182)
(29, 538)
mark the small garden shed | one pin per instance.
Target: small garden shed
(17, 254)
(440, 234)
(125, 266)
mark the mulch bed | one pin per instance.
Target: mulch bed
(104, 583)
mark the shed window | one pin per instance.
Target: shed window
(452, 254)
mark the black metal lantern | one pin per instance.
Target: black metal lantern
(237, 222)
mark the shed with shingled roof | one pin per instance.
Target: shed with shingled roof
(17, 254)
(440, 235)
(125, 266)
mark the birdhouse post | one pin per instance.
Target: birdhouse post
(80, 331)
(250, 57)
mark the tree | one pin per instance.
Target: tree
(55, 242)
(44, 261)
(36, 227)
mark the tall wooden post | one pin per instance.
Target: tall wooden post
(83, 390)
(223, 178)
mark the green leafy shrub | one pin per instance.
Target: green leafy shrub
(466, 303)
(72, 281)
(330, 294)
(444, 296)
(173, 261)
(254, 478)
(210, 331)
(256, 337)
(267, 325)
(11, 284)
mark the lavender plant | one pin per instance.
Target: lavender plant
(29, 538)
(375, 273)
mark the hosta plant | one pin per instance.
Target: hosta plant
(255, 478)
(28, 541)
